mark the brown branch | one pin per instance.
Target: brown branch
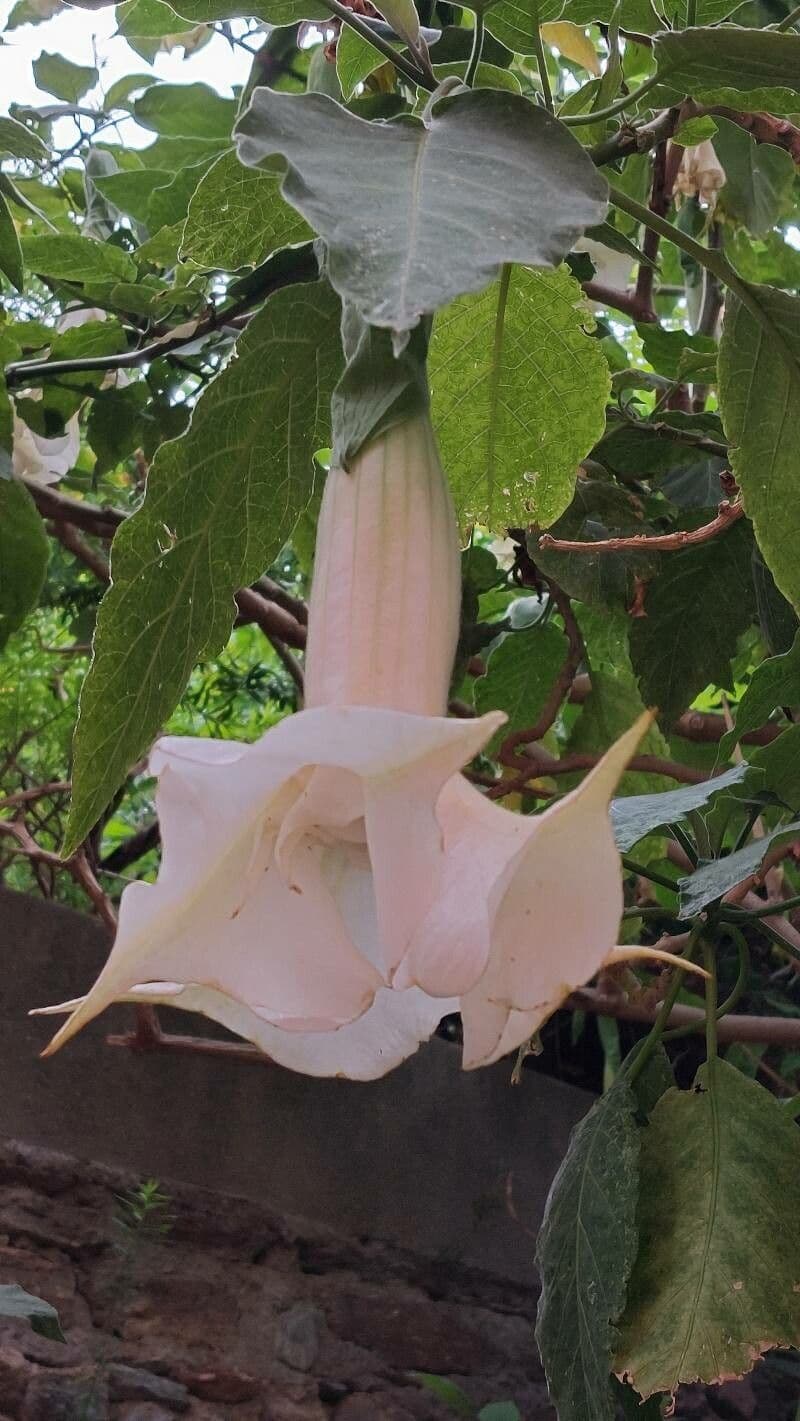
(89, 517)
(25, 796)
(727, 514)
(762, 127)
(133, 848)
(69, 538)
(273, 620)
(774, 1030)
(704, 726)
(541, 765)
(626, 301)
(77, 866)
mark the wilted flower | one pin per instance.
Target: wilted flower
(34, 456)
(700, 174)
(333, 890)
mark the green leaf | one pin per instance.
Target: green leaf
(696, 609)
(170, 203)
(776, 682)
(43, 1318)
(759, 178)
(276, 12)
(59, 76)
(186, 111)
(713, 879)
(500, 1411)
(356, 59)
(403, 18)
(68, 258)
(518, 396)
(130, 192)
(10, 249)
(664, 349)
(24, 553)
(149, 19)
(20, 142)
(91, 339)
(780, 765)
(437, 207)
(220, 504)
(446, 1391)
(759, 397)
(586, 1248)
(516, 22)
(746, 68)
(715, 1283)
(519, 677)
(696, 130)
(237, 215)
(115, 425)
(614, 701)
(638, 815)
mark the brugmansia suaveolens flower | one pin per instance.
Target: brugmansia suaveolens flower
(332, 891)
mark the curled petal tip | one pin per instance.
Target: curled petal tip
(636, 952)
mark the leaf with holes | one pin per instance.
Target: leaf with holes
(717, 1278)
(220, 503)
(518, 396)
(439, 205)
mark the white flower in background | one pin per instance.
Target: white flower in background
(34, 456)
(700, 174)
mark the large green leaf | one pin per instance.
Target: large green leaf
(220, 503)
(149, 19)
(518, 396)
(638, 815)
(24, 551)
(585, 1251)
(776, 682)
(759, 178)
(696, 609)
(10, 249)
(716, 1278)
(439, 205)
(759, 393)
(237, 215)
(59, 76)
(42, 1316)
(724, 64)
(185, 111)
(73, 258)
(520, 675)
(356, 59)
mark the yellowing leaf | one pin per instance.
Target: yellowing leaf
(573, 42)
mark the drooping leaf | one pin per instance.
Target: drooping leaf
(776, 682)
(186, 111)
(520, 673)
(237, 215)
(24, 552)
(220, 503)
(518, 396)
(758, 178)
(403, 18)
(572, 41)
(585, 1251)
(115, 426)
(725, 64)
(10, 249)
(717, 1278)
(19, 141)
(688, 637)
(438, 206)
(713, 879)
(42, 1316)
(73, 258)
(59, 76)
(759, 393)
(638, 815)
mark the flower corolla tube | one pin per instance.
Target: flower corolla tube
(332, 891)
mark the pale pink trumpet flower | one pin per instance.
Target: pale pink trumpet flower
(332, 891)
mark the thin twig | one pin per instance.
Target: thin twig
(26, 796)
(70, 538)
(660, 542)
(773, 1030)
